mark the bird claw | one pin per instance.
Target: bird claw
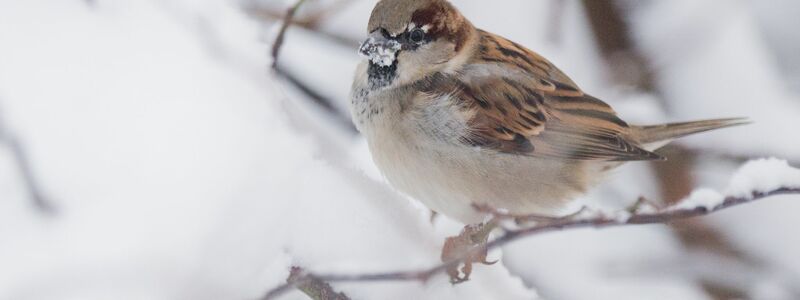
(469, 247)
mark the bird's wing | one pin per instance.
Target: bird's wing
(520, 103)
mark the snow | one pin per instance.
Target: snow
(183, 169)
(756, 176)
(180, 168)
(622, 216)
(764, 175)
(380, 53)
(708, 199)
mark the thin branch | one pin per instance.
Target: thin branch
(269, 15)
(319, 99)
(663, 216)
(311, 21)
(322, 101)
(287, 20)
(35, 193)
(29, 180)
(313, 287)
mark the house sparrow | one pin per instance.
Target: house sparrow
(456, 117)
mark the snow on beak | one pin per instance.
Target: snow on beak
(379, 49)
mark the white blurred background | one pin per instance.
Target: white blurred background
(147, 151)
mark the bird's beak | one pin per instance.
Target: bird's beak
(380, 49)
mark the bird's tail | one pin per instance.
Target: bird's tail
(656, 136)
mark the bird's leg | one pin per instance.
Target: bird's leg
(468, 247)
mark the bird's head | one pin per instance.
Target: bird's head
(411, 39)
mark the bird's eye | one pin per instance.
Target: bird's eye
(416, 35)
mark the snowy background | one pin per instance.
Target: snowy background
(174, 164)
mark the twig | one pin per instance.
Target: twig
(520, 219)
(325, 103)
(335, 37)
(20, 157)
(663, 216)
(28, 178)
(311, 21)
(314, 287)
(287, 20)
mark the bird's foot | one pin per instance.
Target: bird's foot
(467, 248)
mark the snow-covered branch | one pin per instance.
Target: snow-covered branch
(756, 180)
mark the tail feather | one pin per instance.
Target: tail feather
(657, 136)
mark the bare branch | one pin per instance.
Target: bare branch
(287, 20)
(342, 40)
(311, 21)
(313, 287)
(662, 216)
(20, 157)
(322, 101)
(28, 178)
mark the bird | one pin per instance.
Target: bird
(457, 117)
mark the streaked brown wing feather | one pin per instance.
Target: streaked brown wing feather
(542, 113)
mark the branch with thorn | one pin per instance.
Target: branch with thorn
(640, 214)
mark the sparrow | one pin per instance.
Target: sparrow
(457, 117)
